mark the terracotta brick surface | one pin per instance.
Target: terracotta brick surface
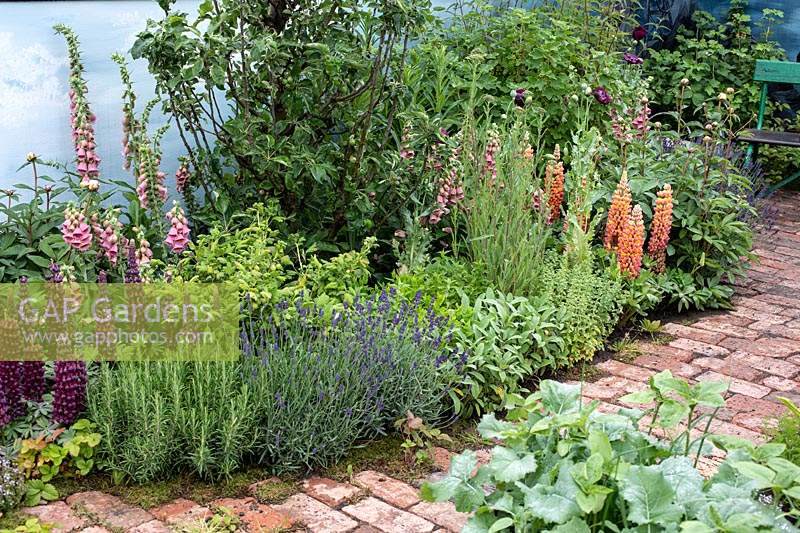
(181, 511)
(109, 510)
(387, 488)
(729, 330)
(59, 514)
(624, 370)
(255, 516)
(442, 514)
(729, 367)
(699, 348)
(781, 384)
(737, 386)
(390, 519)
(770, 365)
(693, 333)
(330, 492)
(153, 526)
(315, 515)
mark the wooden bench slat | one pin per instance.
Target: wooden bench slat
(776, 138)
(777, 71)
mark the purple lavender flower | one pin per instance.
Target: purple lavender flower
(601, 95)
(632, 59)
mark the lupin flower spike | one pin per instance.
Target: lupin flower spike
(631, 244)
(660, 228)
(618, 212)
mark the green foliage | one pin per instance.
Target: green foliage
(254, 258)
(714, 206)
(68, 452)
(589, 301)
(564, 467)
(31, 525)
(338, 280)
(788, 431)
(309, 384)
(449, 285)
(553, 52)
(511, 338)
(313, 105)
(158, 418)
(713, 57)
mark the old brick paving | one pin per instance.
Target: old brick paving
(755, 347)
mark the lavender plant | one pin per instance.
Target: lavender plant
(326, 383)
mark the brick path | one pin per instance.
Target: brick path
(372, 503)
(755, 347)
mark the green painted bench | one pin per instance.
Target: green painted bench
(772, 72)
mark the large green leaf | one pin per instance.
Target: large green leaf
(685, 480)
(507, 466)
(554, 504)
(649, 496)
(575, 525)
(560, 398)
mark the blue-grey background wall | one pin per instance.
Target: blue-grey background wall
(34, 115)
(34, 111)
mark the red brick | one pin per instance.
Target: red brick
(315, 515)
(666, 351)
(726, 318)
(387, 518)
(621, 369)
(726, 428)
(181, 511)
(729, 330)
(781, 384)
(695, 334)
(779, 300)
(700, 348)
(739, 403)
(754, 422)
(768, 347)
(658, 363)
(610, 387)
(756, 304)
(441, 458)
(728, 367)
(442, 514)
(330, 492)
(255, 516)
(754, 315)
(110, 510)
(59, 514)
(736, 386)
(387, 488)
(153, 526)
(770, 365)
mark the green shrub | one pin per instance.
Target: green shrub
(447, 284)
(562, 466)
(590, 302)
(510, 339)
(309, 385)
(714, 207)
(254, 258)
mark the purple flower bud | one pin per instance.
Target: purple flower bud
(519, 97)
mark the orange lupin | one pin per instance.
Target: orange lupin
(659, 229)
(618, 212)
(631, 244)
(554, 183)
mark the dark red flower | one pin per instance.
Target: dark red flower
(639, 33)
(601, 95)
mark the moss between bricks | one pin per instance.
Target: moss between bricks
(383, 454)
